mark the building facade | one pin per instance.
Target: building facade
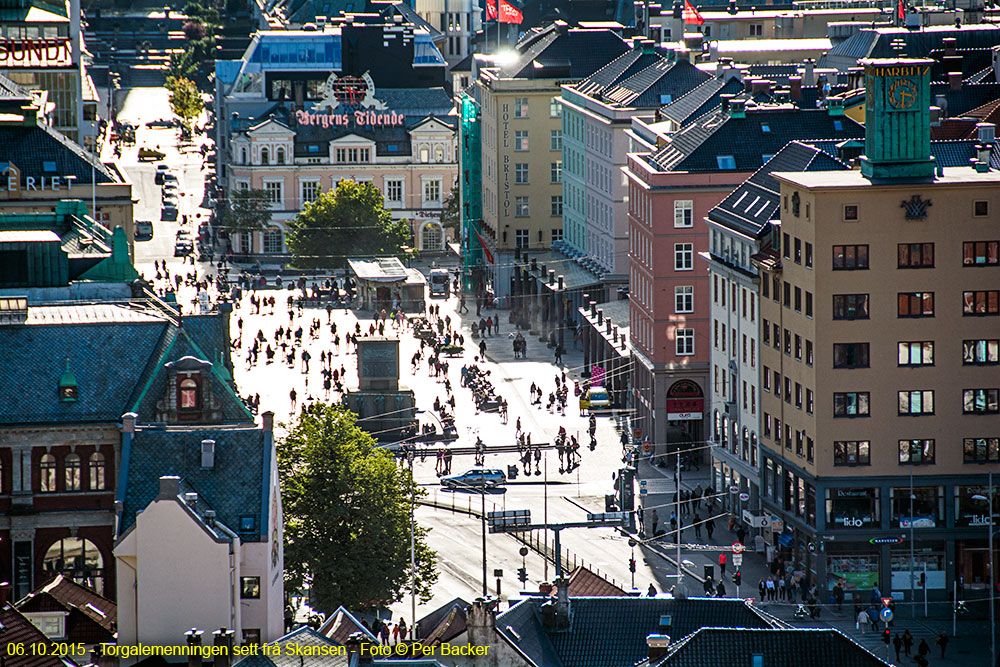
(878, 332)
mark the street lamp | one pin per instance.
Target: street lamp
(988, 499)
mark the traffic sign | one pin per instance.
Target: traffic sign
(744, 497)
(734, 489)
(885, 615)
(738, 547)
(737, 560)
(642, 482)
(886, 602)
(643, 491)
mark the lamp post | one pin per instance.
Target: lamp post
(988, 498)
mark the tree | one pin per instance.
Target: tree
(194, 29)
(347, 515)
(349, 221)
(451, 216)
(182, 66)
(248, 211)
(185, 100)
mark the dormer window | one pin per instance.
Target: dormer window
(67, 386)
(189, 394)
(265, 156)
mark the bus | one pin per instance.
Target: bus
(440, 282)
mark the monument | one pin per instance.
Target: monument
(385, 410)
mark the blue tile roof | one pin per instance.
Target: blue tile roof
(236, 487)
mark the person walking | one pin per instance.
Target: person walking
(722, 563)
(907, 642)
(942, 641)
(924, 648)
(696, 521)
(656, 521)
(862, 623)
(710, 527)
(897, 643)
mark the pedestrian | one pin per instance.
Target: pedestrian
(897, 643)
(651, 591)
(761, 590)
(656, 521)
(696, 521)
(293, 395)
(924, 648)
(907, 641)
(720, 590)
(482, 348)
(710, 527)
(722, 563)
(941, 641)
(395, 633)
(770, 589)
(558, 354)
(402, 621)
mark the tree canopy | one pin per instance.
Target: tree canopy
(451, 216)
(347, 515)
(248, 211)
(185, 100)
(349, 221)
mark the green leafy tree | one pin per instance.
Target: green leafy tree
(206, 15)
(249, 211)
(182, 66)
(349, 221)
(347, 515)
(185, 100)
(451, 216)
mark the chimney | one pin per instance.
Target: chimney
(559, 281)
(191, 498)
(552, 276)
(481, 621)
(593, 309)
(267, 421)
(614, 335)
(600, 316)
(128, 422)
(761, 86)
(210, 517)
(207, 454)
(949, 44)
(809, 76)
(607, 325)
(955, 80)
(738, 108)
(194, 643)
(795, 88)
(170, 486)
(223, 641)
(657, 646)
(986, 132)
(725, 100)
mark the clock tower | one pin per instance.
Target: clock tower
(897, 119)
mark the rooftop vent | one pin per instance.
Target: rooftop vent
(208, 454)
(191, 498)
(13, 310)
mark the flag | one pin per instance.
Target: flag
(691, 14)
(900, 11)
(508, 12)
(486, 251)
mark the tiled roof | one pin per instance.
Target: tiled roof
(700, 100)
(791, 647)
(750, 207)
(235, 487)
(445, 622)
(582, 51)
(341, 624)
(19, 631)
(612, 631)
(70, 595)
(967, 98)
(304, 636)
(648, 87)
(623, 66)
(583, 582)
(764, 131)
(29, 147)
(877, 42)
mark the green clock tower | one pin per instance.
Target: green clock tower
(897, 119)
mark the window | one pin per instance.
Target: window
(809, 352)
(788, 341)
(557, 233)
(249, 588)
(520, 140)
(916, 402)
(555, 172)
(980, 209)
(555, 108)
(71, 471)
(809, 401)
(787, 301)
(265, 156)
(281, 155)
(852, 453)
(683, 256)
(684, 299)
(981, 351)
(555, 209)
(439, 154)
(850, 306)
(78, 559)
(685, 341)
(425, 155)
(915, 304)
(798, 347)
(521, 208)
(97, 471)
(521, 238)
(916, 354)
(981, 450)
(798, 299)
(786, 246)
(432, 192)
(915, 255)
(683, 213)
(851, 212)
(850, 257)
(273, 241)
(47, 473)
(850, 355)
(756, 29)
(851, 404)
(788, 391)
(979, 401)
(555, 140)
(766, 331)
(310, 191)
(798, 395)
(798, 250)
(725, 161)
(809, 304)
(394, 192)
(189, 394)
(520, 107)
(764, 127)
(273, 190)
(981, 253)
(981, 303)
(809, 255)
(916, 452)
(521, 173)
(777, 336)
(766, 379)
(243, 155)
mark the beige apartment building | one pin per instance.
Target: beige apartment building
(880, 314)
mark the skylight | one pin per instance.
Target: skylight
(726, 161)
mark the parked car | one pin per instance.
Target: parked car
(183, 248)
(143, 230)
(169, 178)
(489, 478)
(149, 154)
(169, 185)
(164, 122)
(168, 212)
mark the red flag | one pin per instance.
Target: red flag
(486, 251)
(900, 11)
(508, 12)
(691, 14)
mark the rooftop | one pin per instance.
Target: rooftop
(951, 176)
(557, 51)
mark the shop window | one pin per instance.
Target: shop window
(925, 509)
(852, 507)
(971, 507)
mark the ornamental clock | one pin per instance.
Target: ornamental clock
(901, 93)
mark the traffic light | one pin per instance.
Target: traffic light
(737, 577)
(885, 637)
(522, 574)
(631, 565)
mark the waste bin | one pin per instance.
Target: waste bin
(709, 572)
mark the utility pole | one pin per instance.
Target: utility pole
(413, 559)
(913, 597)
(482, 495)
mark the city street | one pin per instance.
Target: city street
(454, 517)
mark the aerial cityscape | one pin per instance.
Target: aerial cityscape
(296, 295)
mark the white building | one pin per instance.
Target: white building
(458, 20)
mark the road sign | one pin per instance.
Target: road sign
(886, 540)
(738, 547)
(734, 489)
(886, 602)
(643, 492)
(642, 482)
(737, 560)
(744, 497)
(885, 615)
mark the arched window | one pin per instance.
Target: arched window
(71, 468)
(431, 238)
(96, 464)
(273, 241)
(78, 559)
(439, 154)
(281, 155)
(47, 473)
(725, 431)
(189, 394)
(243, 154)
(424, 154)
(265, 156)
